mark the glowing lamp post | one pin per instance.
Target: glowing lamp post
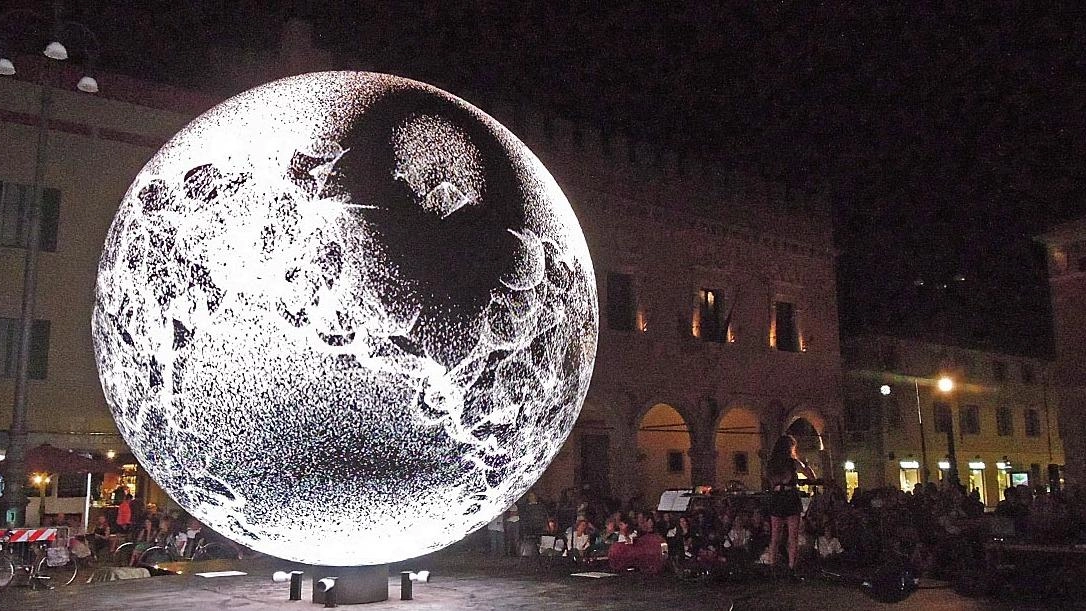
(41, 482)
(14, 500)
(945, 384)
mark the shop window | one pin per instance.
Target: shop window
(970, 420)
(38, 359)
(1033, 423)
(976, 482)
(621, 302)
(675, 461)
(1004, 421)
(1003, 481)
(909, 475)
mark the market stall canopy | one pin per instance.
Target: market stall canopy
(51, 459)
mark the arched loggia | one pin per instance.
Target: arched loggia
(663, 452)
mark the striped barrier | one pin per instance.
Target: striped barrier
(31, 535)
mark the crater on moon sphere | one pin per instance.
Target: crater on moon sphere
(345, 318)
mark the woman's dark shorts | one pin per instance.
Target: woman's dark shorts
(784, 503)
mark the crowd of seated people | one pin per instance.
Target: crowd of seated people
(149, 528)
(936, 528)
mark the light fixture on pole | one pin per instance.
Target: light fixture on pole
(945, 384)
(87, 84)
(55, 50)
(924, 474)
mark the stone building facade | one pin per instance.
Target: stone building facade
(717, 291)
(996, 422)
(1065, 245)
(718, 326)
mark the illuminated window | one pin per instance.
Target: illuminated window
(943, 422)
(783, 333)
(675, 461)
(38, 364)
(970, 420)
(621, 302)
(1033, 423)
(1004, 421)
(711, 321)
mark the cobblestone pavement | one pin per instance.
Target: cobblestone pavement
(471, 580)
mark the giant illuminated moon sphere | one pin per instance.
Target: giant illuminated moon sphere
(345, 318)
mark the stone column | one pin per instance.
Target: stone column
(624, 465)
(702, 459)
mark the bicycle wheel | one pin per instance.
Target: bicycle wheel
(57, 576)
(214, 551)
(154, 556)
(122, 556)
(7, 571)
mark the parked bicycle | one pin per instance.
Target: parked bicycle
(202, 550)
(41, 554)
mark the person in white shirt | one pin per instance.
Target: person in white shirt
(739, 535)
(579, 540)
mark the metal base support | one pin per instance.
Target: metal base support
(354, 584)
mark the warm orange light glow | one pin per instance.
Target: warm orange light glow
(945, 384)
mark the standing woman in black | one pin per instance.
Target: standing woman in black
(784, 503)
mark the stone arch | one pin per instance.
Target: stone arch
(738, 443)
(687, 416)
(663, 451)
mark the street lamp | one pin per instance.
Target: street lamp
(14, 499)
(946, 385)
(924, 474)
(41, 480)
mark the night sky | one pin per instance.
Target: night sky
(945, 137)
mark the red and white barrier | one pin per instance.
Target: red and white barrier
(32, 535)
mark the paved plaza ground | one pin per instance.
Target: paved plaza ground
(468, 579)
